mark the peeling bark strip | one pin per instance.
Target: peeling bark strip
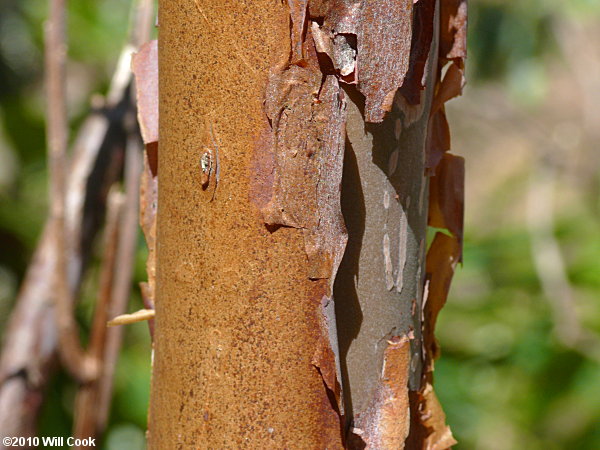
(428, 422)
(305, 148)
(446, 195)
(308, 145)
(148, 205)
(386, 422)
(246, 343)
(145, 69)
(446, 200)
(442, 257)
(301, 164)
(453, 33)
(422, 35)
(384, 38)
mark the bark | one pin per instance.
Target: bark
(238, 321)
(297, 140)
(380, 282)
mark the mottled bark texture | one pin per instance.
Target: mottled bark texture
(298, 141)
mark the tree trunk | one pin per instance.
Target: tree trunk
(282, 138)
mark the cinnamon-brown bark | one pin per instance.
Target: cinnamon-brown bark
(287, 130)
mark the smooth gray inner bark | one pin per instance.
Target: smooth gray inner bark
(380, 280)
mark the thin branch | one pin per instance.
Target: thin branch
(95, 403)
(125, 260)
(30, 340)
(86, 412)
(80, 365)
(140, 28)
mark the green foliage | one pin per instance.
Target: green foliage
(503, 378)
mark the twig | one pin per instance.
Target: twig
(86, 420)
(125, 257)
(120, 286)
(30, 339)
(80, 365)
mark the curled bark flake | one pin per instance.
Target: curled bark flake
(325, 362)
(323, 41)
(411, 113)
(298, 9)
(440, 436)
(384, 42)
(385, 423)
(148, 205)
(308, 127)
(442, 257)
(422, 35)
(438, 139)
(446, 195)
(453, 31)
(339, 16)
(450, 87)
(145, 69)
(334, 26)
(429, 430)
(125, 319)
(452, 47)
(344, 55)
(438, 132)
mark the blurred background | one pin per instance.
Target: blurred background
(520, 365)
